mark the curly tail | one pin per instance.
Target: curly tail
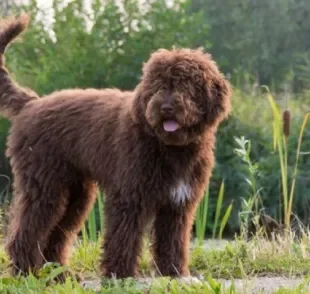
(12, 97)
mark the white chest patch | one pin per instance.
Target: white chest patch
(181, 193)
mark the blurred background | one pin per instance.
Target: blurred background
(97, 43)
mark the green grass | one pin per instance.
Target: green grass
(95, 222)
(238, 259)
(220, 219)
(131, 286)
(282, 256)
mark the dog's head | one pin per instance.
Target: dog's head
(181, 94)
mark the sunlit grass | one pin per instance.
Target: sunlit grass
(281, 256)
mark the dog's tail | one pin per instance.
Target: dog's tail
(10, 29)
(12, 97)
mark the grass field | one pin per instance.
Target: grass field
(233, 267)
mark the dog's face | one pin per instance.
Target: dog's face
(181, 94)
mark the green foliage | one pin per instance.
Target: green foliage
(33, 285)
(266, 42)
(86, 255)
(219, 205)
(102, 48)
(254, 258)
(237, 259)
(202, 220)
(224, 220)
(250, 205)
(107, 45)
(95, 221)
(253, 119)
(281, 144)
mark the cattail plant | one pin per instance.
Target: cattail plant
(286, 118)
(281, 135)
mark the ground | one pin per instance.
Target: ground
(257, 266)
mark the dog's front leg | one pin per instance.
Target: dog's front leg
(124, 224)
(173, 225)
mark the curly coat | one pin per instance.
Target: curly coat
(151, 151)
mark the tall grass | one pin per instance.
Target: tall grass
(202, 217)
(280, 135)
(94, 225)
(220, 219)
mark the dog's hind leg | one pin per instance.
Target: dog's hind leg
(81, 200)
(40, 200)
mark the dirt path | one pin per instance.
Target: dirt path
(265, 284)
(254, 285)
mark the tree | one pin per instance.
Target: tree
(258, 40)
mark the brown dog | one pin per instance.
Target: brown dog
(151, 150)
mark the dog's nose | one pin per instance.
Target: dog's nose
(166, 108)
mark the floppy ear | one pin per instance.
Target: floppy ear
(138, 106)
(218, 100)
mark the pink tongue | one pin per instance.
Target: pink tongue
(171, 126)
